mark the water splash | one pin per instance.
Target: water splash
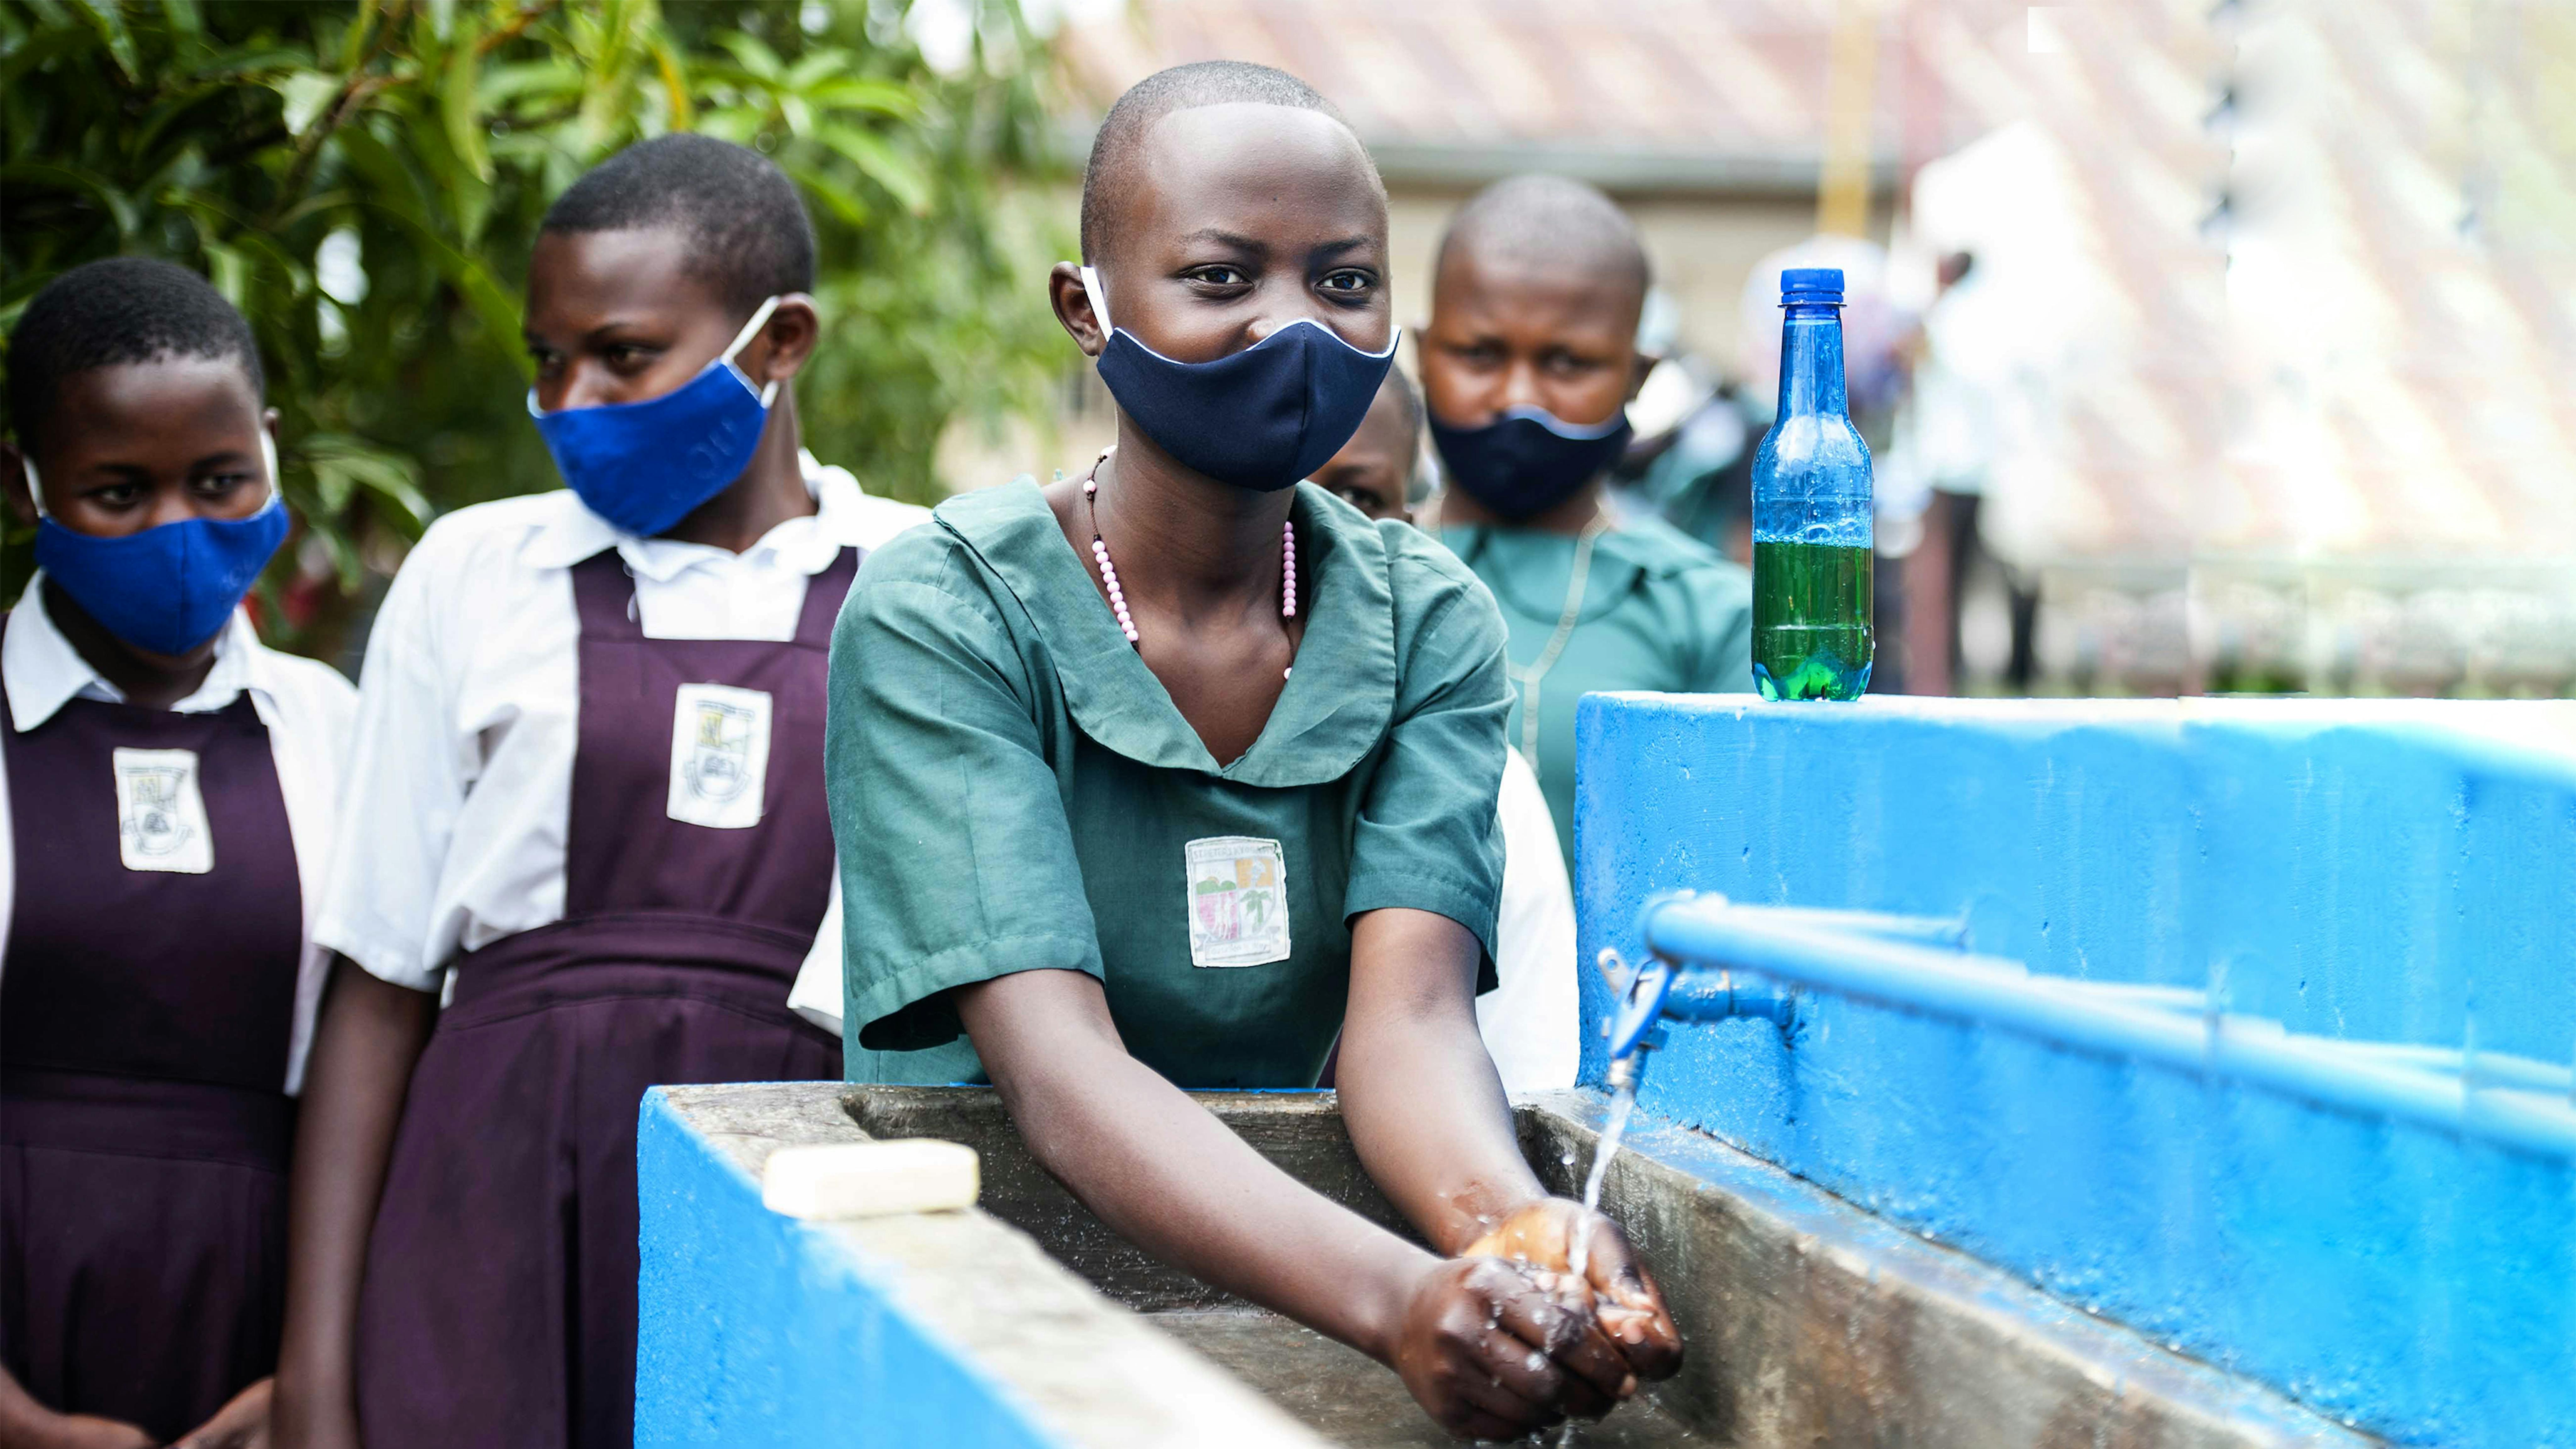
(1623, 1101)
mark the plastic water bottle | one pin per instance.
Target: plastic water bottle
(1811, 511)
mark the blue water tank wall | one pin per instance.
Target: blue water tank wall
(757, 1329)
(2369, 878)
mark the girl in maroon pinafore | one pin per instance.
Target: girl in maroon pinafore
(170, 792)
(587, 809)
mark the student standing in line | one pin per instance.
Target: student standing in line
(1164, 775)
(1531, 1020)
(585, 802)
(1528, 364)
(169, 801)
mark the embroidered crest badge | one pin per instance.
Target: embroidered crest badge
(719, 756)
(160, 813)
(1238, 901)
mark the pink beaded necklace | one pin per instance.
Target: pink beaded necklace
(1118, 596)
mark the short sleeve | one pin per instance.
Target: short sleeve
(957, 861)
(401, 796)
(1426, 836)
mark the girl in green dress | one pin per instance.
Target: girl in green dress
(1163, 775)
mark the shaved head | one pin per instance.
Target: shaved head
(1550, 224)
(1109, 176)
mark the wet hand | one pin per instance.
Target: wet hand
(1489, 1354)
(240, 1424)
(1623, 1300)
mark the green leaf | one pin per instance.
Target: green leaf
(75, 178)
(460, 109)
(675, 85)
(306, 93)
(814, 65)
(533, 80)
(853, 94)
(343, 464)
(230, 271)
(362, 28)
(881, 163)
(757, 59)
(248, 60)
(834, 197)
(108, 20)
(442, 17)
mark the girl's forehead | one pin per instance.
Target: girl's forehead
(639, 269)
(165, 397)
(1274, 167)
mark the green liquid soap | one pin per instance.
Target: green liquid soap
(1811, 612)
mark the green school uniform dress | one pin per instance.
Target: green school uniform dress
(1012, 790)
(1660, 610)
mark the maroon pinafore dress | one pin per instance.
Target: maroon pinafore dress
(499, 1301)
(145, 1017)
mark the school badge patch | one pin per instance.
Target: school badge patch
(160, 814)
(1238, 901)
(719, 756)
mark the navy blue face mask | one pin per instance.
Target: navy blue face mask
(170, 587)
(1527, 459)
(1261, 418)
(646, 465)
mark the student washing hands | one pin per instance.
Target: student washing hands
(1167, 775)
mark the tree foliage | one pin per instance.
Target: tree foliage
(364, 179)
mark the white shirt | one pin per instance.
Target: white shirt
(308, 709)
(460, 791)
(1532, 1019)
(1529, 1020)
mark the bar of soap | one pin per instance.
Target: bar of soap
(870, 1179)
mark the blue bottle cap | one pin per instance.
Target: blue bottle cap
(1811, 286)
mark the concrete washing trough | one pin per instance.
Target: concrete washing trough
(1025, 1321)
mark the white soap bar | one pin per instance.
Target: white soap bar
(870, 1179)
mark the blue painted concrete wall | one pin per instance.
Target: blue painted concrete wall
(2364, 880)
(757, 1330)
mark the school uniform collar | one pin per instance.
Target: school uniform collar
(1620, 560)
(807, 544)
(42, 671)
(1339, 697)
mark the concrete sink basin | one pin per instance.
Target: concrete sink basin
(1808, 1321)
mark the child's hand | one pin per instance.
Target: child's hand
(1489, 1354)
(1622, 1298)
(240, 1424)
(81, 1431)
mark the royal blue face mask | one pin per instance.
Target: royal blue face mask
(1527, 459)
(646, 465)
(1261, 418)
(170, 587)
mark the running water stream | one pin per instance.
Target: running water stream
(1623, 1100)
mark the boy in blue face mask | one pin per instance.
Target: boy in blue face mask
(1528, 364)
(587, 808)
(168, 812)
(1163, 775)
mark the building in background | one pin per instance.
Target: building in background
(2251, 372)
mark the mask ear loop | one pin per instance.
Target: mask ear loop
(741, 340)
(1099, 296)
(35, 490)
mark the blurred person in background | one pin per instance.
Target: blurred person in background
(1529, 1020)
(1930, 478)
(1528, 364)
